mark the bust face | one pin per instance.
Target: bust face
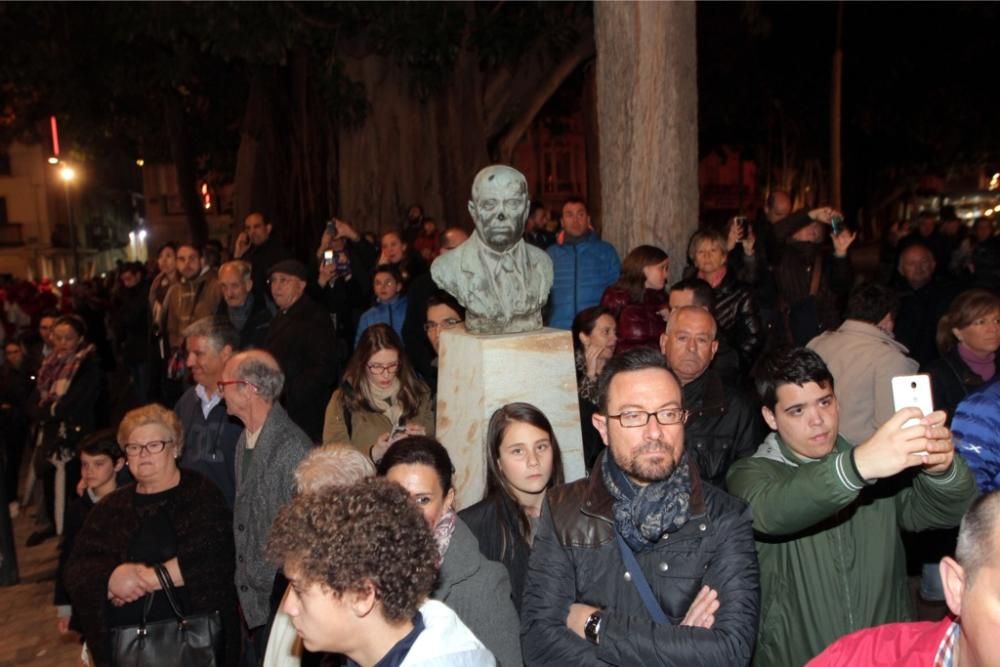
(499, 206)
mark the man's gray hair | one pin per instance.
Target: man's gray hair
(262, 371)
(219, 332)
(977, 536)
(243, 269)
(331, 466)
(676, 313)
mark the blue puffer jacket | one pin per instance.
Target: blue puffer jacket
(583, 270)
(392, 313)
(976, 429)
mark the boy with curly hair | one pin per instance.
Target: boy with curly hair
(361, 561)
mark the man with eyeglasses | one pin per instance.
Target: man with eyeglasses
(828, 514)
(642, 563)
(302, 338)
(722, 424)
(267, 454)
(444, 313)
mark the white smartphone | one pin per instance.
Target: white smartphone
(912, 391)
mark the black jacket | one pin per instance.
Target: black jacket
(254, 331)
(496, 543)
(302, 340)
(918, 315)
(738, 319)
(952, 380)
(130, 322)
(722, 426)
(575, 558)
(261, 258)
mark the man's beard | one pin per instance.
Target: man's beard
(648, 471)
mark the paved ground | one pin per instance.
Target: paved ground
(27, 615)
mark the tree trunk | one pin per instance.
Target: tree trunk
(647, 104)
(187, 178)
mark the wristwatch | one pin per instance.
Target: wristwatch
(592, 629)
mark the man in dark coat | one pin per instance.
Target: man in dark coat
(644, 510)
(722, 425)
(258, 246)
(301, 337)
(924, 297)
(130, 326)
(247, 312)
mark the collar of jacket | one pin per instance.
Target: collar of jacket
(862, 328)
(583, 511)
(704, 394)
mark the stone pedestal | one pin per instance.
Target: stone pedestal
(478, 374)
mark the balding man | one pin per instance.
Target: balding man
(267, 453)
(722, 424)
(261, 249)
(923, 298)
(247, 312)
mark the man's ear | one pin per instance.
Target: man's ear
(663, 344)
(600, 422)
(953, 580)
(119, 464)
(769, 417)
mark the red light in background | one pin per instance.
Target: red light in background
(55, 135)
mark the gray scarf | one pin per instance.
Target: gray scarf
(644, 514)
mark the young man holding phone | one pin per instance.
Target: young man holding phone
(827, 513)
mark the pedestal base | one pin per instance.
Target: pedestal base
(478, 374)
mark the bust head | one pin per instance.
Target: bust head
(499, 206)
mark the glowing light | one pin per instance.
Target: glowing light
(206, 196)
(72, 281)
(140, 162)
(55, 134)
(59, 283)
(104, 275)
(142, 234)
(53, 160)
(67, 173)
(131, 237)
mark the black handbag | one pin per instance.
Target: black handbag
(194, 640)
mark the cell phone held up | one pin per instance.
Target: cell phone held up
(741, 222)
(912, 391)
(837, 225)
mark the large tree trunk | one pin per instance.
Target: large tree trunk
(647, 104)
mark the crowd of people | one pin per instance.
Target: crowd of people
(247, 436)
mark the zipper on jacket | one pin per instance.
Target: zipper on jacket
(847, 584)
(576, 281)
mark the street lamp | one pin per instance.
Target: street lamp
(68, 174)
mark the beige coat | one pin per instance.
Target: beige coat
(367, 426)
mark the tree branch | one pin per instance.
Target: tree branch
(511, 135)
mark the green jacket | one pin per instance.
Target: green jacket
(831, 555)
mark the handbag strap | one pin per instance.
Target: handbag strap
(167, 584)
(641, 585)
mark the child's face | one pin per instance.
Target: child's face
(386, 286)
(97, 470)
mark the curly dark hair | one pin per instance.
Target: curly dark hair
(349, 538)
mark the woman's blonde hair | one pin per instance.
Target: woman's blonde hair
(154, 413)
(967, 307)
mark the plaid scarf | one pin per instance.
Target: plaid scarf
(443, 530)
(59, 367)
(644, 514)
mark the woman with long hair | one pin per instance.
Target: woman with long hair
(477, 589)
(638, 301)
(523, 461)
(594, 341)
(65, 408)
(380, 398)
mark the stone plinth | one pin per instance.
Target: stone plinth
(478, 374)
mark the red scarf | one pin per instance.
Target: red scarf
(59, 367)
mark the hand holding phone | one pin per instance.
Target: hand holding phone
(328, 257)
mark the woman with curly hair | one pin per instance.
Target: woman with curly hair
(523, 461)
(476, 588)
(361, 563)
(380, 398)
